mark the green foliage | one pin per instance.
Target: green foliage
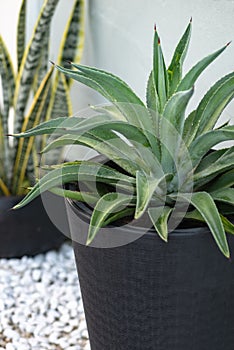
(167, 167)
(31, 92)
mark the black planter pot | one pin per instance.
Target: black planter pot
(150, 295)
(28, 231)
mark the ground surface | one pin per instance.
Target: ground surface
(40, 303)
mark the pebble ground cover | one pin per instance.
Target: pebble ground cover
(40, 303)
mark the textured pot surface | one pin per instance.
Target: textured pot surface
(27, 231)
(156, 296)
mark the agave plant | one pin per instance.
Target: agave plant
(162, 160)
(31, 93)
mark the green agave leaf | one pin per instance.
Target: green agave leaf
(21, 26)
(195, 215)
(159, 73)
(174, 111)
(171, 128)
(224, 181)
(224, 195)
(159, 217)
(57, 125)
(221, 164)
(190, 78)
(72, 45)
(213, 104)
(108, 204)
(175, 69)
(75, 195)
(151, 95)
(113, 89)
(127, 212)
(106, 142)
(110, 110)
(131, 132)
(202, 144)
(101, 141)
(205, 205)
(25, 145)
(31, 60)
(188, 127)
(210, 159)
(228, 226)
(84, 171)
(117, 92)
(146, 187)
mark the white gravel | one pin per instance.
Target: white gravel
(40, 303)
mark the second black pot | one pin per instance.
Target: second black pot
(28, 231)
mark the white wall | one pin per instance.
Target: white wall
(122, 32)
(119, 37)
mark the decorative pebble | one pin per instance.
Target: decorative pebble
(40, 305)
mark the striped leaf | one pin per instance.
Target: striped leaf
(59, 105)
(30, 61)
(82, 171)
(21, 34)
(3, 188)
(42, 68)
(7, 87)
(72, 44)
(7, 65)
(108, 204)
(25, 145)
(176, 65)
(3, 174)
(159, 217)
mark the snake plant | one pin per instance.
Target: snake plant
(162, 159)
(32, 93)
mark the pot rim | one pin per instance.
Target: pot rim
(83, 211)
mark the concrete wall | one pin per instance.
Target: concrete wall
(119, 38)
(121, 34)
